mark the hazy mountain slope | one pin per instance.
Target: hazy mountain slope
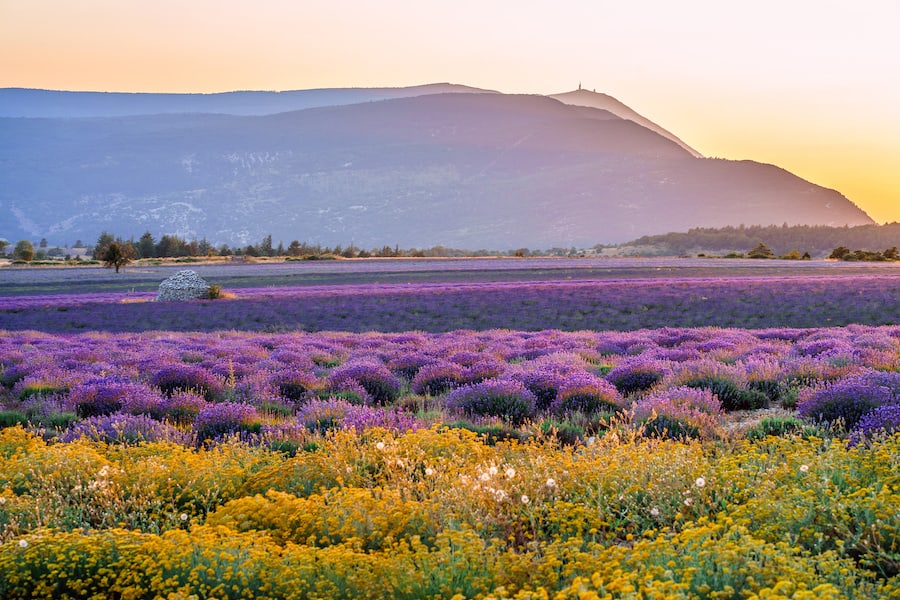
(582, 97)
(21, 102)
(462, 170)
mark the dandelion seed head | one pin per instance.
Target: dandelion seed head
(700, 482)
(510, 473)
(23, 543)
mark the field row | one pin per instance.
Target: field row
(750, 302)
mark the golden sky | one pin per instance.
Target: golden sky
(810, 85)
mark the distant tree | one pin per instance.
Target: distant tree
(117, 254)
(169, 246)
(839, 253)
(103, 241)
(3, 245)
(146, 246)
(792, 255)
(224, 250)
(279, 251)
(265, 247)
(891, 254)
(293, 248)
(43, 243)
(205, 247)
(24, 250)
(761, 251)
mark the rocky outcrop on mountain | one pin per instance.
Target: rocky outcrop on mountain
(183, 285)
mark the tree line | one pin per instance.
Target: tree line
(819, 241)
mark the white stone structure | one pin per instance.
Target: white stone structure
(183, 285)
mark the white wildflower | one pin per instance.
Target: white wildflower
(429, 471)
(510, 473)
(804, 468)
(654, 512)
(492, 470)
(525, 499)
(184, 517)
(485, 477)
(700, 482)
(688, 501)
(551, 483)
(380, 445)
(23, 543)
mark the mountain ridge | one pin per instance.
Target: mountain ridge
(466, 170)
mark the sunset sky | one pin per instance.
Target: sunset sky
(810, 85)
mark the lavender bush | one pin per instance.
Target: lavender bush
(219, 420)
(683, 411)
(847, 400)
(106, 395)
(378, 381)
(636, 375)
(187, 378)
(505, 399)
(586, 394)
(437, 378)
(124, 429)
(884, 420)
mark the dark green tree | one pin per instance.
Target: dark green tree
(146, 246)
(891, 254)
(839, 253)
(24, 250)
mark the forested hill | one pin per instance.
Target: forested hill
(819, 241)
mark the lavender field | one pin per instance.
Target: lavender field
(534, 295)
(665, 434)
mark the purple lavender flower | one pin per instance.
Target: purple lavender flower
(218, 420)
(186, 378)
(378, 381)
(323, 415)
(884, 420)
(587, 394)
(437, 378)
(844, 401)
(294, 384)
(124, 429)
(636, 375)
(106, 395)
(698, 409)
(407, 365)
(180, 407)
(506, 399)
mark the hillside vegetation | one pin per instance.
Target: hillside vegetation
(817, 240)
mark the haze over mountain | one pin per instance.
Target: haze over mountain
(421, 168)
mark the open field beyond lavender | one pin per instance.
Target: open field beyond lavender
(430, 461)
(445, 295)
